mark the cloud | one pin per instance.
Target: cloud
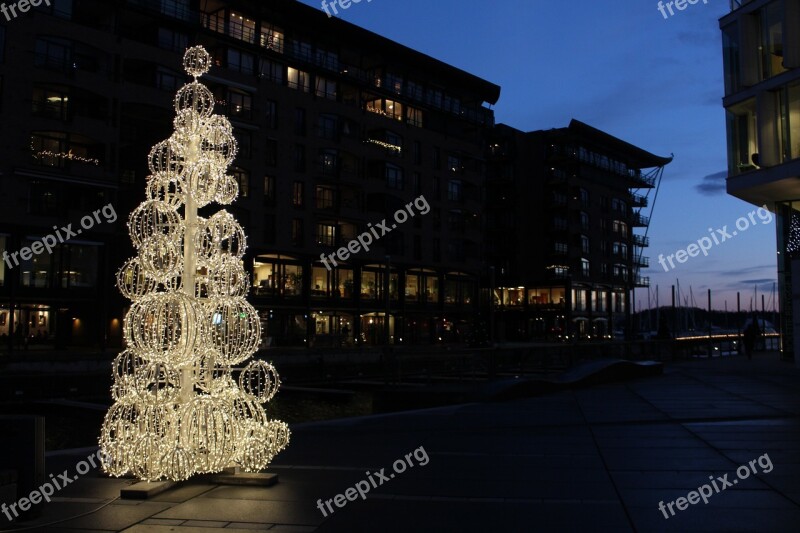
(752, 282)
(758, 269)
(713, 184)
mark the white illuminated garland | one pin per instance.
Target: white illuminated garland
(178, 410)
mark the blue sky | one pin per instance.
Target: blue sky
(620, 67)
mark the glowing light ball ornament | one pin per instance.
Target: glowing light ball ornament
(181, 408)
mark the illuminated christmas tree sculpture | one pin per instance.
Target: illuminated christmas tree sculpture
(181, 407)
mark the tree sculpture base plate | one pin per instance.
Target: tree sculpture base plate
(259, 479)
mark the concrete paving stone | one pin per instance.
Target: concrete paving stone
(475, 517)
(96, 487)
(59, 529)
(205, 523)
(668, 463)
(286, 492)
(182, 492)
(727, 499)
(117, 517)
(659, 480)
(249, 526)
(785, 459)
(297, 513)
(655, 453)
(714, 519)
(687, 442)
(281, 528)
(58, 511)
(162, 522)
(179, 529)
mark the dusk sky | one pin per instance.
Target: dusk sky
(625, 69)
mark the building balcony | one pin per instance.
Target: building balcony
(640, 281)
(639, 200)
(639, 220)
(642, 241)
(641, 181)
(169, 9)
(642, 261)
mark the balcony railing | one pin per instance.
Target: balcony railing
(173, 8)
(639, 200)
(640, 281)
(641, 240)
(639, 220)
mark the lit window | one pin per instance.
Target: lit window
(242, 177)
(242, 28)
(299, 80)
(326, 234)
(272, 38)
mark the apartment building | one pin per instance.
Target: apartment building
(567, 231)
(761, 56)
(337, 129)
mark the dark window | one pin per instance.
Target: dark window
(416, 183)
(326, 88)
(271, 150)
(328, 127)
(239, 61)
(297, 232)
(172, 40)
(297, 194)
(168, 80)
(271, 112)
(300, 122)
(269, 229)
(455, 191)
(272, 71)
(299, 158)
(53, 53)
(269, 190)
(394, 177)
(57, 8)
(324, 197)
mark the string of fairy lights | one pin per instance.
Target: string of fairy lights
(178, 408)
